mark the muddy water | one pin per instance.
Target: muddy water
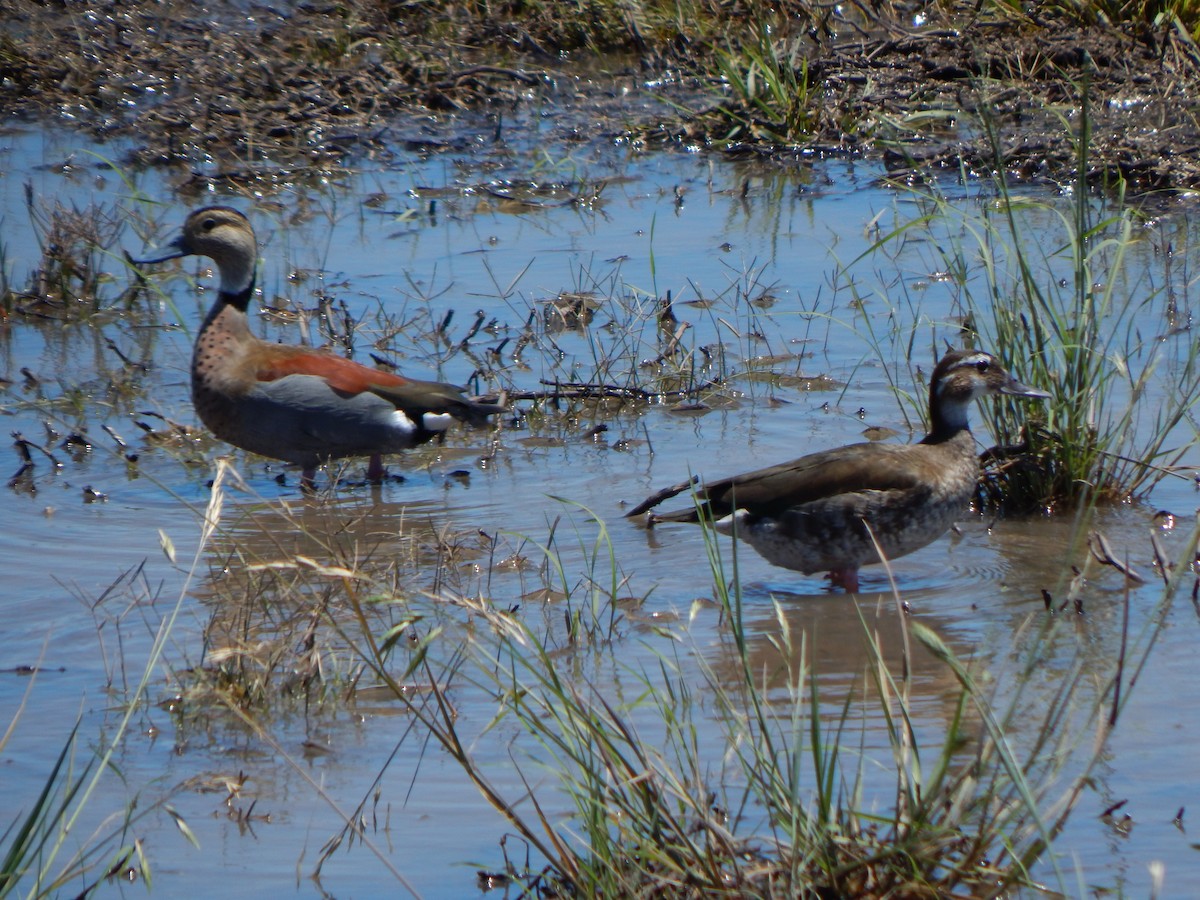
(749, 257)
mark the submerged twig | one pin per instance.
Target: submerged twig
(23, 444)
(1161, 559)
(659, 496)
(1101, 552)
(575, 390)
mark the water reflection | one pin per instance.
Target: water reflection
(836, 644)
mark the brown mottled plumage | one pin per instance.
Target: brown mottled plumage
(825, 512)
(292, 403)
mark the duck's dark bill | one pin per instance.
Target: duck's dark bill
(1017, 389)
(171, 250)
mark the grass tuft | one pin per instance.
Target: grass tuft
(1053, 287)
(768, 77)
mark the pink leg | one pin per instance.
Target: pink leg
(375, 469)
(846, 579)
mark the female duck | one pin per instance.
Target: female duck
(297, 404)
(839, 509)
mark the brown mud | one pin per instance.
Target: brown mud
(261, 91)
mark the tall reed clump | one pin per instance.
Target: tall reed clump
(777, 802)
(1087, 298)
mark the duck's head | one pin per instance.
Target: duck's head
(223, 235)
(961, 378)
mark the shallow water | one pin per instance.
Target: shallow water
(86, 582)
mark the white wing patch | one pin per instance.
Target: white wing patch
(401, 422)
(732, 523)
(436, 421)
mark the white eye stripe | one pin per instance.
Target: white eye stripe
(974, 360)
(977, 364)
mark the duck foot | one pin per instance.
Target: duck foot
(847, 579)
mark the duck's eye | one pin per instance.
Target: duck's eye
(208, 224)
(983, 365)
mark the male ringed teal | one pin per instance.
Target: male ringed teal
(297, 404)
(826, 512)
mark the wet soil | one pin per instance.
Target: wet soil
(255, 91)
